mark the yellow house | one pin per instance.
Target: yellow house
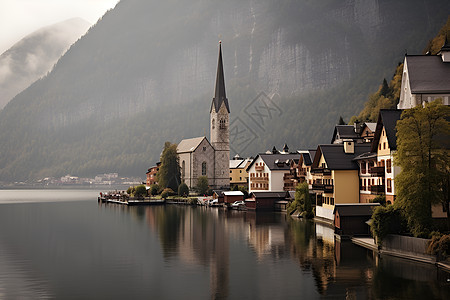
(238, 171)
(335, 176)
(385, 145)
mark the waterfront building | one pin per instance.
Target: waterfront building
(200, 157)
(238, 171)
(335, 176)
(425, 78)
(267, 171)
(151, 175)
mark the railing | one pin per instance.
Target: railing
(259, 168)
(321, 171)
(259, 179)
(288, 177)
(326, 188)
(377, 189)
(377, 171)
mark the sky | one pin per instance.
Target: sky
(19, 18)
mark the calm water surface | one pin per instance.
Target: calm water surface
(63, 244)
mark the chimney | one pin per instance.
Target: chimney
(349, 146)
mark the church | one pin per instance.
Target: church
(211, 158)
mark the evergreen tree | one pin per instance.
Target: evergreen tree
(422, 155)
(384, 91)
(169, 175)
(202, 185)
(341, 121)
(183, 190)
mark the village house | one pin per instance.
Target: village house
(425, 78)
(385, 145)
(267, 171)
(151, 175)
(335, 176)
(238, 171)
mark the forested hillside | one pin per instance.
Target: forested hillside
(144, 74)
(388, 95)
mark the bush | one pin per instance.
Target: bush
(379, 199)
(202, 185)
(183, 190)
(387, 220)
(209, 192)
(439, 244)
(140, 191)
(167, 192)
(130, 190)
(154, 188)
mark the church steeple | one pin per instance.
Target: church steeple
(220, 94)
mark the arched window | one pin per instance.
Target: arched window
(183, 169)
(212, 124)
(222, 124)
(204, 168)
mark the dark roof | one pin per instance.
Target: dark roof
(357, 209)
(308, 157)
(366, 155)
(281, 195)
(219, 193)
(344, 132)
(337, 159)
(428, 74)
(220, 94)
(271, 159)
(387, 118)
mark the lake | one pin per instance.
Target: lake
(63, 244)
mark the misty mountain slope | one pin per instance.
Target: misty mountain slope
(35, 55)
(145, 74)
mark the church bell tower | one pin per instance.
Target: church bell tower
(219, 129)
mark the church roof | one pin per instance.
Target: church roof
(220, 94)
(428, 74)
(189, 145)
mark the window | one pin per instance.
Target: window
(240, 171)
(388, 166)
(379, 146)
(363, 167)
(389, 185)
(384, 145)
(204, 168)
(231, 178)
(204, 148)
(230, 171)
(222, 124)
(212, 124)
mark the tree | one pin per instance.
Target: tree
(302, 200)
(169, 175)
(140, 191)
(384, 90)
(154, 188)
(202, 185)
(422, 154)
(183, 190)
(341, 121)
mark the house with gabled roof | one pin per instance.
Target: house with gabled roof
(267, 171)
(238, 171)
(385, 145)
(335, 176)
(425, 78)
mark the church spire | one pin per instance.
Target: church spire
(220, 94)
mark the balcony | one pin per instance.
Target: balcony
(377, 171)
(259, 168)
(377, 189)
(321, 171)
(326, 188)
(259, 179)
(288, 177)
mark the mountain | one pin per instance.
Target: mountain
(144, 74)
(34, 55)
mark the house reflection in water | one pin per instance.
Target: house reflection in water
(255, 241)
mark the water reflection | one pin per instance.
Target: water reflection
(202, 236)
(82, 250)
